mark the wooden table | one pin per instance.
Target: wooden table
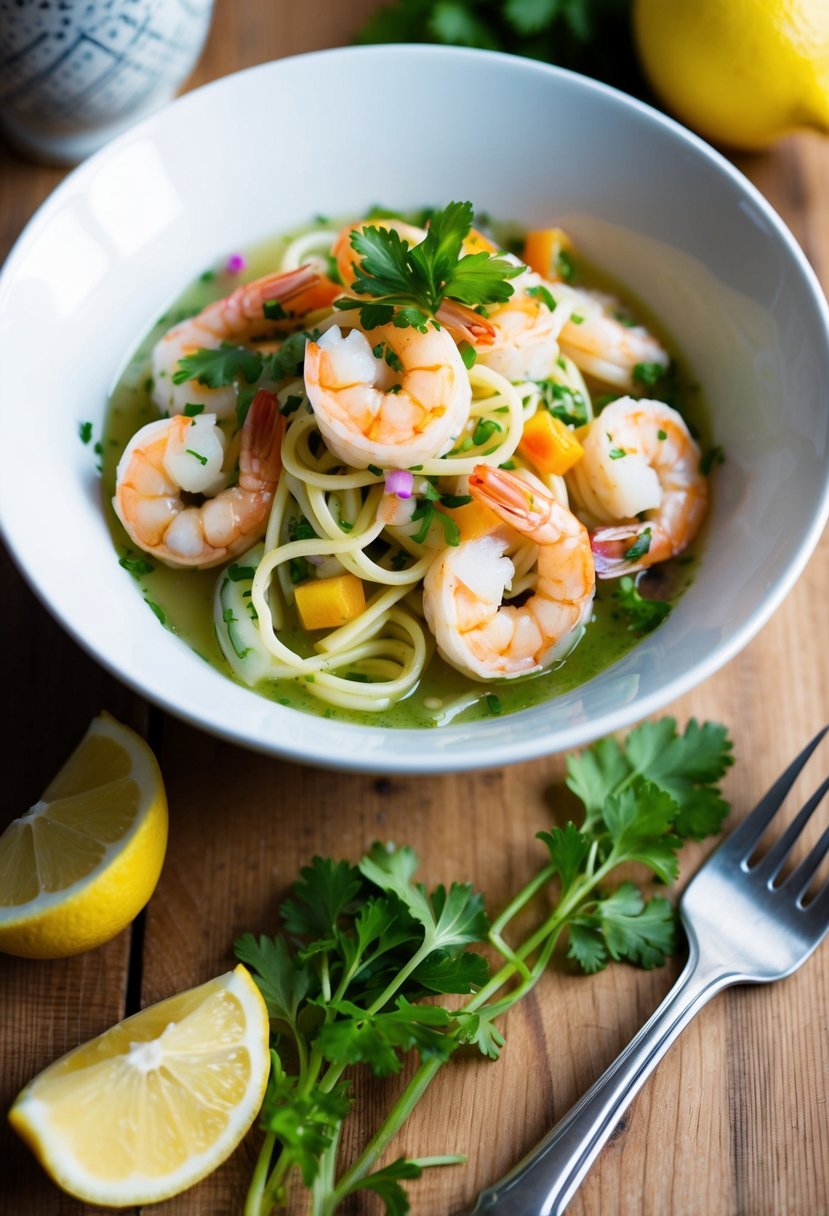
(735, 1120)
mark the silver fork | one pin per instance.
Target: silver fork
(744, 926)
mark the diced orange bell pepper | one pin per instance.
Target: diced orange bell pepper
(474, 519)
(542, 248)
(549, 445)
(327, 603)
(476, 242)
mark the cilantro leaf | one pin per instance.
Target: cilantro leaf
(449, 918)
(568, 849)
(481, 278)
(226, 365)
(320, 896)
(435, 259)
(359, 1036)
(477, 1030)
(639, 819)
(686, 766)
(305, 1120)
(586, 945)
(288, 360)
(385, 268)
(443, 971)
(643, 933)
(408, 284)
(624, 927)
(282, 982)
(594, 774)
(385, 1183)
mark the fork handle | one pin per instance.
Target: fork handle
(545, 1181)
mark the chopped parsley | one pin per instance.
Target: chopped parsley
(543, 293)
(712, 457)
(138, 567)
(640, 546)
(192, 410)
(643, 614)
(649, 373)
(225, 365)
(240, 574)
(85, 431)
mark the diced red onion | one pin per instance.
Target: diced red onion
(399, 482)
(235, 263)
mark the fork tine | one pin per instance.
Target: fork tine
(770, 865)
(744, 837)
(799, 879)
(818, 910)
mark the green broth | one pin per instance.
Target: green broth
(183, 599)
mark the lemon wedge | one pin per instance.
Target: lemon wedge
(149, 1107)
(83, 862)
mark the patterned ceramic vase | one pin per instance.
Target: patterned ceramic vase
(73, 73)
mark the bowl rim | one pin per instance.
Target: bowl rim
(303, 747)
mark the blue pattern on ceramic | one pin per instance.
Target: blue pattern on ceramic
(69, 67)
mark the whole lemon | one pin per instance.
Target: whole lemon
(740, 72)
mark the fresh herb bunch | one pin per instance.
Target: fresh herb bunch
(364, 946)
(407, 284)
(589, 36)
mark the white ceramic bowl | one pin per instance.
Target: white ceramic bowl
(255, 153)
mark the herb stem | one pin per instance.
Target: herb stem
(258, 1183)
(380, 1141)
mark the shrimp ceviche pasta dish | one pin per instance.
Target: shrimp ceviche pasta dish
(407, 469)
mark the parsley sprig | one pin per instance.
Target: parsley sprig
(364, 945)
(407, 284)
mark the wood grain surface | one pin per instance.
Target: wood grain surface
(734, 1122)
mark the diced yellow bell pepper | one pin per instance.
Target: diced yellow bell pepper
(476, 242)
(327, 603)
(548, 444)
(474, 519)
(542, 248)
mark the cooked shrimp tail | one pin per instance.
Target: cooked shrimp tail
(465, 324)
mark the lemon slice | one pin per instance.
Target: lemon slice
(82, 863)
(149, 1107)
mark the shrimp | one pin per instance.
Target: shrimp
(639, 460)
(394, 401)
(464, 586)
(236, 318)
(175, 456)
(598, 342)
(519, 338)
